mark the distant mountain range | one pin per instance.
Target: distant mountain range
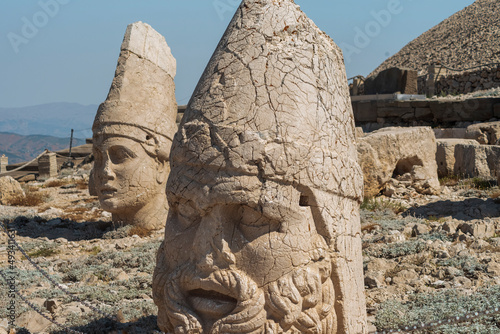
(25, 132)
(24, 148)
(54, 119)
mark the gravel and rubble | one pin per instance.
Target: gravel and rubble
(417, 247)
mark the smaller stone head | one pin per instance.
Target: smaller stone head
(133, 131)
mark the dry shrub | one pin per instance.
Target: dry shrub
(139, 231)
(81, 184)
(496, 197)
(450, 180)
(81, 214)
(370, 227)
(55, 183)
(30, 199)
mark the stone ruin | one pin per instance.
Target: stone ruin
(263, 233)
(393, 159)
(133, 131)
(473, 151)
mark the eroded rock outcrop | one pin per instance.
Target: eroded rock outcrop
(133, 131)
(263, 233)
(406, 154)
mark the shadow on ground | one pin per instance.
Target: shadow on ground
(468, 209)
(144, 325)
(58, 228)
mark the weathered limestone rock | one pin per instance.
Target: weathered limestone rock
(479, 229)
(4, 162)
(399, 152)
(446, 155)
(47, 166)
(484, 133)
(133, 131)
(33, 322)
(9, 188)
(263, 233)
(477, 160)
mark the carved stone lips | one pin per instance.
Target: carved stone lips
(211, 303)
(107, 192)
(210, 298)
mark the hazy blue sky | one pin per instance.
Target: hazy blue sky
(71, 54)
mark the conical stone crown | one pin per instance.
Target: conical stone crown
(141, 101)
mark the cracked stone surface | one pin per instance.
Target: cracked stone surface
(263, 233)
(133, 131)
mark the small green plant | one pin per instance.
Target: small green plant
(380, 204)
(398, 249)
(426, 308)
(468, 264)
(94, 250)
(433, 236)
(45, 252)
(482, 184)
(450, 180)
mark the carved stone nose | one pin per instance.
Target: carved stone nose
(108, 172)
(211, 250)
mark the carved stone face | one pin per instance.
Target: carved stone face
(250, 258)
(125, 176)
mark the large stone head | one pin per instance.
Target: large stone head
(133, 131)
(263, 230)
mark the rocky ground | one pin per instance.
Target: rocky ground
(466, 39)
(425, 258)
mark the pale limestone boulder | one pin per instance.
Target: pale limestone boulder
(484, 133)
(446, 155)
(263, 233)
(33, 322)
(477, 160)
(9, 188)
(401, 153)
(133, 132)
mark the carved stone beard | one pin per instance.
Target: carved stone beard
(299, 302)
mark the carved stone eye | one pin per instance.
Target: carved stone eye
(304, 200)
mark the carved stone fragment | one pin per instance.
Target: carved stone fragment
(133, 131)
(263, 233)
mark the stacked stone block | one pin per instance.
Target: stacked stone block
(4, 161)
(47, 166)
